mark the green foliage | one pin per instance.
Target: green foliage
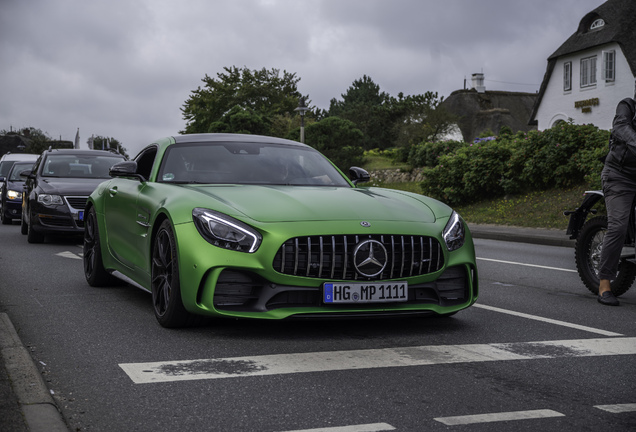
(421, 118)
(265, 93)
(240, 120)
(486, 133)
(30, 140)
(428, 154)
(561, 157)
(336, 138)
(369, 109)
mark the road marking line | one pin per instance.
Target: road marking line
(617, 408)
(372, 427)
(68, 254)
(497, 417)
(548, 320)
(527, 265)
(279, 364)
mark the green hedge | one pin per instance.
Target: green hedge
(561, 157)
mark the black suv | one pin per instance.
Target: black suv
(56, 191)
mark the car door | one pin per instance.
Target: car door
(127, 222)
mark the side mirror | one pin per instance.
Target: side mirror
(125, 169)
(1, 179)
(358, 175)
(27, 174)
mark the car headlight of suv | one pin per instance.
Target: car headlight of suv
(13, 195)
(50, 200)
(454, 233)
(226, 232)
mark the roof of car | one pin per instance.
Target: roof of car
(80, 152)
(207, 137)
(19, 157)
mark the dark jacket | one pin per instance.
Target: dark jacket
(622, 154)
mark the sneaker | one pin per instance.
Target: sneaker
(608, 299)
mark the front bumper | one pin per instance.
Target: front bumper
(67, 218)
(12, 209)
(226, 283)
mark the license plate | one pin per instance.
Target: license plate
(365, 292)
(80, 216)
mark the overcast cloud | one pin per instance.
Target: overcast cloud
(124, 68)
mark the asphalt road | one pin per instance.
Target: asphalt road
(537, 352)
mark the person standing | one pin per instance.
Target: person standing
(619, 187)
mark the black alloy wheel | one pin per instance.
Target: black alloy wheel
(166, 289)
(94, 271)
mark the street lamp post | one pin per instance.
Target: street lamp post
(302, 109)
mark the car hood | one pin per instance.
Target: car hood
(290, 203)
(15, 185)
(69, 186)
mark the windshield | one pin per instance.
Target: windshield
(84, 166)
(14, 175)
(248, 163)
(5, 166)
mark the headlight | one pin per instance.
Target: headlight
(454, 233)
(226, 232)
(48, 200)
(13, 195)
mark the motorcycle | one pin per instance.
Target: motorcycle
(589, 242)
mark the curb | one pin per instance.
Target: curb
(540, 236)
(38, 407)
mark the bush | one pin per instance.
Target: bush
(428, 154)
(561, 157)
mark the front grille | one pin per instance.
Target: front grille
(332, 256)
(77, 202)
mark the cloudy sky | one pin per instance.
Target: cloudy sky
(124, 68)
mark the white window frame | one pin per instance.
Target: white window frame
(609, 65)
(598, 23)
(588, 71)
(567, 76)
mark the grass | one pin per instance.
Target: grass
(374, 162)
(541, 209)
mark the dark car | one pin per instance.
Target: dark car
(57, 189)
(11, 198)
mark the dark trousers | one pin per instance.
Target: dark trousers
(619, 192)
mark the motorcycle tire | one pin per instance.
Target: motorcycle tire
(587, 254)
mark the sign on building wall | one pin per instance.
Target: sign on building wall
(586, 105)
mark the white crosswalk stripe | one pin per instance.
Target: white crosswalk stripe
(277, 364)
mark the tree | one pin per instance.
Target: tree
(240, 120)
(370, 110)
(421, 118)
(264, 93)
(29, 140)
(106, 143)
(337, 139)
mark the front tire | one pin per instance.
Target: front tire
(588, 255)
(24, 228)
(165, 285)
(32, 235)
(94, 271)
(5, 220)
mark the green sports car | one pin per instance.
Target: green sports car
(248, 226)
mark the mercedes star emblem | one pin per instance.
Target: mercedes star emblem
(369, 258)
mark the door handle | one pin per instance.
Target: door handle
(112, 191)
